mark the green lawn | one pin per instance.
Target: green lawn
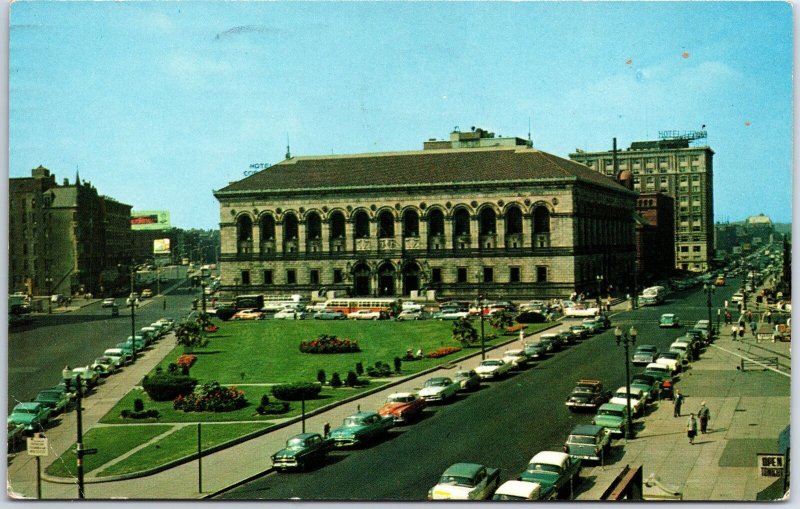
(253, 356)
(110, 442)
(179, 444)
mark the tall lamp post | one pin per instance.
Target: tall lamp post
(132, 302)
(480, 310)
(708, 288)
(627, 339)
(49, 282)
(203, 276)
(66, 374)
(599, 289)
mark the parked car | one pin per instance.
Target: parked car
(249, 314)
(360, 428)
(439, 388)
(522, 490)
(536, 351)
(289, 314)
(588, 442)
(54, 399)
(147, 293)
(637, 399)
(684, 348)
(658, 371)
(669, 320)
(33, 415)
(592, 325)
(105, 365)
(88, 375)
(587, 395)
(451, 315)
(109, 302)
(364, 314)
(553, 470)
(612, 416)
(516, 357)
(410, 314)
(466, 481)
(644, 354)
(468, 379)
(118, 355)
(579, 331)
(330, 315)
(552, 341)
(493, 368)
(670, 360)
(403, 407)
(15, 434)
(648, 384)
(301, 451)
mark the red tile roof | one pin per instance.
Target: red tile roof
(415, 168)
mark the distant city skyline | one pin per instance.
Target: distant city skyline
(157, 104)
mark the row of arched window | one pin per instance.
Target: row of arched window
(385, 223)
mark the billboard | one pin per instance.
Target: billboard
(161, 246)
(150, 220)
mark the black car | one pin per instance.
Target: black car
(536, 350)
(552, 342)
(587, 395)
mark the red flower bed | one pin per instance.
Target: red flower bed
(329, 344)
(211, 397)
(441, 352)
(186, 361)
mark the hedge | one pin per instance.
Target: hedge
(167, 387)
(296, 391)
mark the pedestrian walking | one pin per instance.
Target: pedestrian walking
(691, 428)
(768, 316)
(741, 331)
(704, 414)
(753, 327)
(164, 304)
(676, 405)
(326, 429)
(734, 330)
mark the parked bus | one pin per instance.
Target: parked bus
(248, 302)
(653, 295)
(274, 303)
(349, 305)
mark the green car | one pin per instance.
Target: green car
(588, 442)
(54, 399)
(302, 450)
(360, 428)
(612, 416)
(33, 415)
(669, 320)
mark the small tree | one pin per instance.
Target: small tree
(397, 364)
(172, 368)
(138, 405)
(359, 368)
(321, 377)
(189, 333)
(464, 332)
(336, 381)
(396, 307)
(352, 379)
(264, 400)
(501, 320)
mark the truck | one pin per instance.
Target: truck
(556, 470)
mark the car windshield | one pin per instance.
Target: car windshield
(463, 374)
(400, 399)
(490, 363)
(295, 443)
(436, 382)
(503, 496)
(48, 395)
(581, 440)
(353, 421)
(613, 413)
(543, 467)
(456, 480)
(669, 355)
(25, 411)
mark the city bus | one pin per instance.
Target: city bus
(275, 303)
(349, 305)
(653, 296)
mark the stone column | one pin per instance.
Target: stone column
(348, 236)
(527, 231)
(279, 237)
(325, 235)
(501, 232)
(474, 232)
(423, 233)
(398, 234)
(256, 237)
(301, 236)
(448, 233)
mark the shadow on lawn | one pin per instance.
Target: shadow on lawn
(206, 352)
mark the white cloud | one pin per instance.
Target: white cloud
(186, 65)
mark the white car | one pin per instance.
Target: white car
(519, 490)
(409, 314)
(452, 315)
(439, 388)
(684, 347)
(637, 399)
(737, 297)
(493, 368)
(289, 314)
(516, 357)
(672, 364)
(364, 314)
(580, 310)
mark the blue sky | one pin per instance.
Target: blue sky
(159, 103)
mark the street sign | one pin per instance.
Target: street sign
(37, 445)
(89, 451)
(770, 465)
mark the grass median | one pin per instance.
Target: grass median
(254, 356)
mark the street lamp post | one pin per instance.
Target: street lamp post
(49, 282)
(708, 288)
(480, 310)
(203, 276)
(66, 374)
(133, 302)
(627, 339)
(599, 289)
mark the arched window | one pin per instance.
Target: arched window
(337, 225)
(385, 225)
(290, 227)
(460, 222)
(361, 220)
(267, 228)
(244, 228)
(541, 220)
(513, 221)
(435, 222)
(410, 223)
(313, 226)
(487, 225)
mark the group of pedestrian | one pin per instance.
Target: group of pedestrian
(703, 416)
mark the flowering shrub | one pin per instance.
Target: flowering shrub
(441, 352)
(211, 397)
(186, 361)
(329, 344)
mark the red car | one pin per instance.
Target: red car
(403, 406)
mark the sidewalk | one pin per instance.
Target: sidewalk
(748, 411)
